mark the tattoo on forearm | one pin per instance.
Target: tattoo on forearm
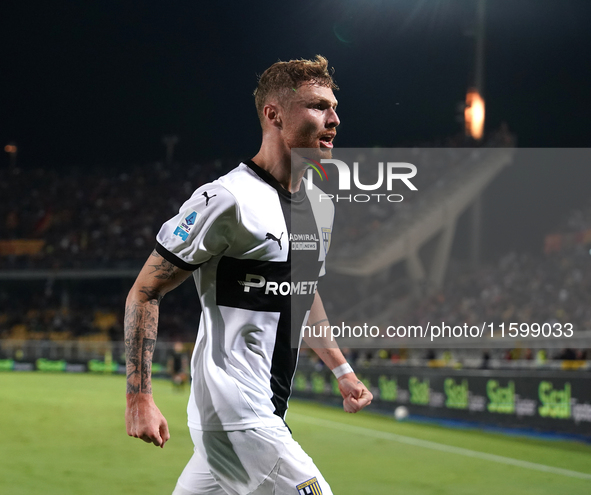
(163, 270)
(313, 324)
(141, 322)
(133, 364)
(147, 352)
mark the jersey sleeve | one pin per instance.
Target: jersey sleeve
(204, 227)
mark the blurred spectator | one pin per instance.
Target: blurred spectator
(97, 218)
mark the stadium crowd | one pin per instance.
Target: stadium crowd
(86, 310)
(97, 218)
(519, 287)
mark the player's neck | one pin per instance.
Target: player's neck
(278, 163)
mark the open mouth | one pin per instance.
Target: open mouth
(326, 140)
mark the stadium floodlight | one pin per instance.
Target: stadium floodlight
(474, 112)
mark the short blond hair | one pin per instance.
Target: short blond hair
(283, 78)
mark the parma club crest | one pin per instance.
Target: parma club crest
(310, 487)
(326, 236)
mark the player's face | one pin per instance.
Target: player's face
(311, 119)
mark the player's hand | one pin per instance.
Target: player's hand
(354, 392)
(144, 420)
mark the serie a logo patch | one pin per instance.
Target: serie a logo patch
(186, 224)
(310, 487)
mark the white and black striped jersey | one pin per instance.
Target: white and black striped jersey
(257, 252)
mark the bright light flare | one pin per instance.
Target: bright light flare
(474, 114)
(10, 148)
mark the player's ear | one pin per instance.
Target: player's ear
(273, 115)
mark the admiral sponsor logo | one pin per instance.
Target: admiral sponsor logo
(303, 237)
(304, 246)
(184, 228)
(304, 242)
(253, 281)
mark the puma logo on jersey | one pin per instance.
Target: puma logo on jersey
(207, 198)
(273, 238)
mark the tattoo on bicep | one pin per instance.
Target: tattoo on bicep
(147, 352)
(163, 270)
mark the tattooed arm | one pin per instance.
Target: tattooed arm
(355, 394)
(158, 276)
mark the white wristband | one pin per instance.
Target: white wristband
(341, 370)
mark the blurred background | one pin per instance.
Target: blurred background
(112, 113)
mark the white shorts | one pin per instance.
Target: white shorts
(260, 461)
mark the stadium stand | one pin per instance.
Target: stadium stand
(90, 218)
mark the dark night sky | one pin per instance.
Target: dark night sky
(100, 82)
